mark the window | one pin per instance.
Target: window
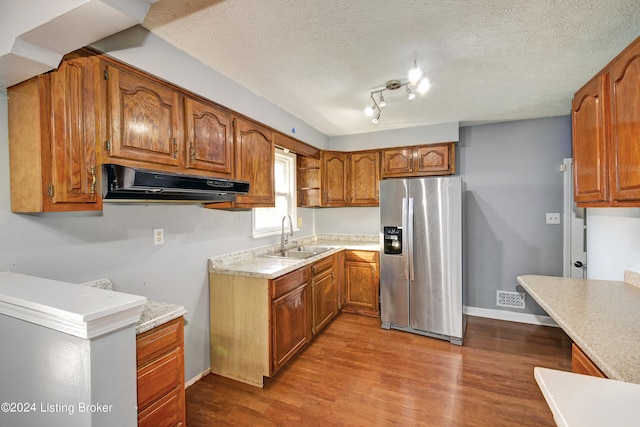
(268, 221)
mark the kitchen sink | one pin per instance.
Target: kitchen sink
(301, 252)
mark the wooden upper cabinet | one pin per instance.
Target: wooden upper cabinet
(364, 174)
(255, 156)
(334, 166)
(606, 134)
(397, 161)
(625, 126)
(589, 120)
(419, 160)
(144, 119)
(53, 121)
(209, 138)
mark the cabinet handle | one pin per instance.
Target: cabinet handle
(175, 149)
(192, 149)
(92, 170)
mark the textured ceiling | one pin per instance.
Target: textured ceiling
(488, 60)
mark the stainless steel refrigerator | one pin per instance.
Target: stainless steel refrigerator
(421, 256)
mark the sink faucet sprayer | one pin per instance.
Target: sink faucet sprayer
(282, 238)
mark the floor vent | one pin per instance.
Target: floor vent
(510, 299)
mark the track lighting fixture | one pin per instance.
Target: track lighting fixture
(415, 83)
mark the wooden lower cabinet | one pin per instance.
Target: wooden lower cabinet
(160, 375)
(258, 325)
(324, 293)
(362, 283)
(289, 317)
(581, 364)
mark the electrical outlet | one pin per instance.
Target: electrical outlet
(553, 218)
(158, 236)
(299, 222)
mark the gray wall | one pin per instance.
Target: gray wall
(512, 173)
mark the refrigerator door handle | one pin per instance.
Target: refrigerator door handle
(410, 238)
(405, 251)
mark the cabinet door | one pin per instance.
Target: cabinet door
(255, 155)
(325, 300)
(73, 136)
(362, 283)
(589, 121)
(144, 119)
(625, 125)
(432, 159)
(334, 178)
(365, 178)
(209, 138)
(397, 162)
(289, 325)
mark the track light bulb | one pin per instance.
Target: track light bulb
(368, 111)
(410, 94)
(424, 86)
(382, 103)
(376, 118)
(415, 74)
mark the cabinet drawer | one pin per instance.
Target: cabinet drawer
(166, 412)
(284, 284)
(362, 256)
(158, 341)
(158, 378)
(322, 265)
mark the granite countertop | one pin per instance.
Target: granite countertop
(602, 317)
(250, 263)
(154, 313)
(157, 313)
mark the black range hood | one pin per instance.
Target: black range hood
(126, 184)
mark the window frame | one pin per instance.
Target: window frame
(289, 159)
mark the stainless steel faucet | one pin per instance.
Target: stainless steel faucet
(284, 240)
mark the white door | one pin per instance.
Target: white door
(575, 229)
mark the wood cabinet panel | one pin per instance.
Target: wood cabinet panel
(288, 282)
(163, 413)
(334, 168)
(74, 125)
(432, 159)
(325, 300)
(606, 134)
(625, 125)
(157, 341)
(397, 161)
(419, 160)
(289, 317)
(144, 119)
(209, 138)
(589, 109)
(158, 378)
(160, 375)
(53, 132)
(255, 155)
(581, 364)
(364, 169)
(362, 283)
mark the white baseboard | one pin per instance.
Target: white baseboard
(198, 377)
(511, 316)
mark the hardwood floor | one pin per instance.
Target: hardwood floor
(358, 374)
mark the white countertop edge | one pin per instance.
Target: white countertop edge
(584, 401)
(77, 327)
